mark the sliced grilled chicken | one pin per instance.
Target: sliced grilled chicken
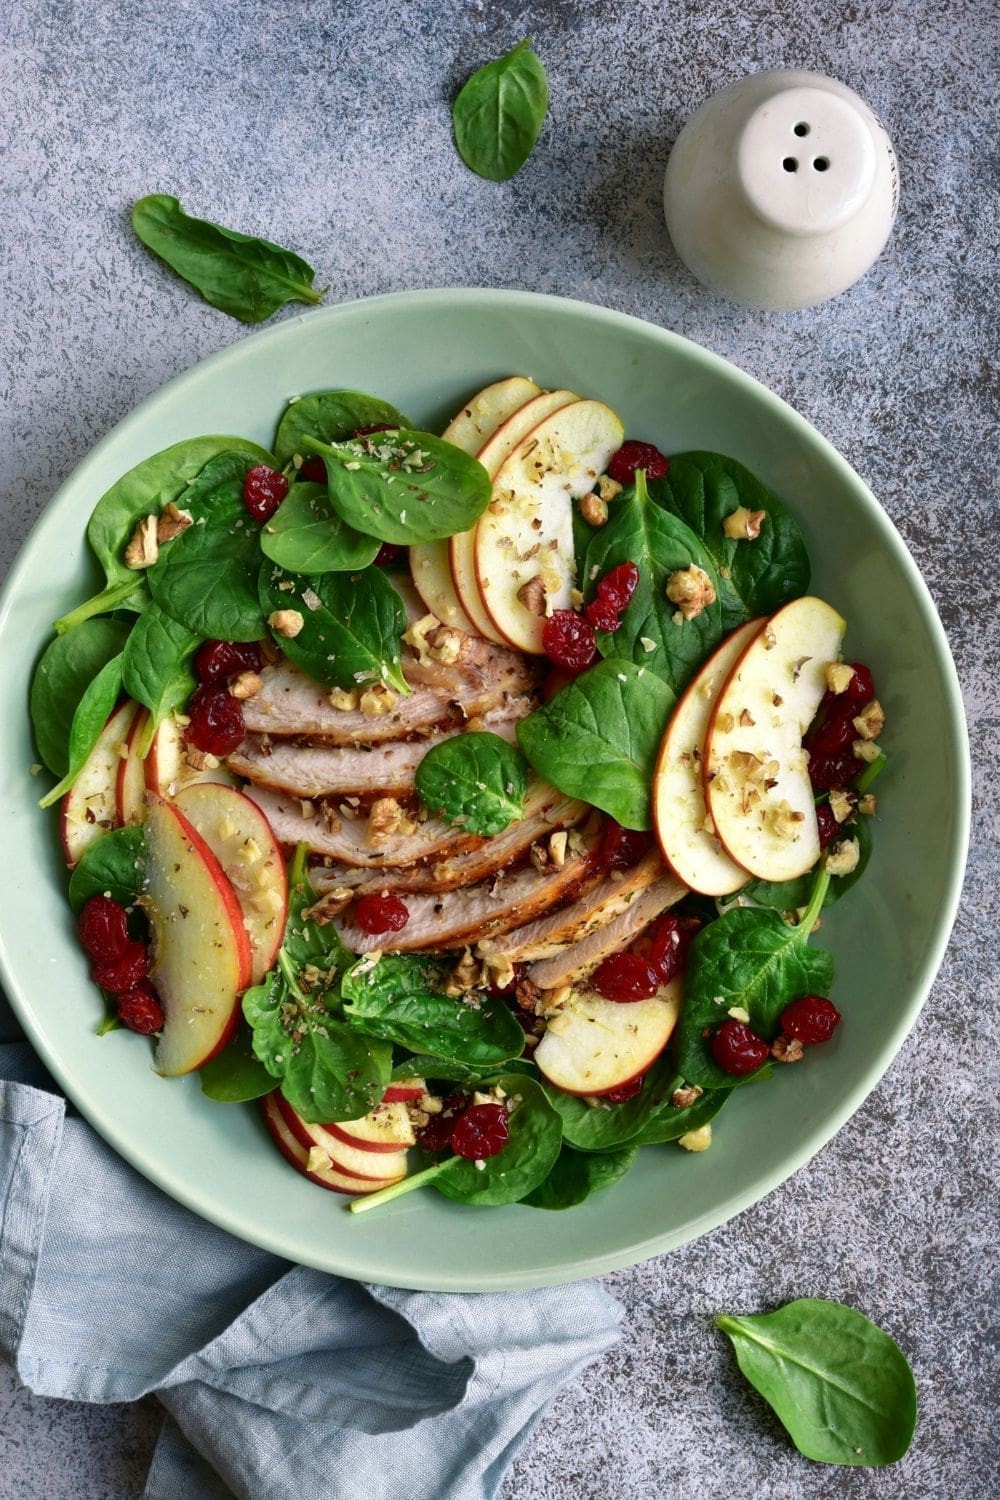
(290, 703)
(468, 866)
(478, 911)
(537, 939)
(340, 770)
(328, 832)
(576, 962)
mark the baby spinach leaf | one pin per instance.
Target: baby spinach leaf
(352, 625)
(305, 536)
(420, 1065)
(156, 668)
(398, 1000)
(578, 1174)
(241, 275)
(668, 1123)
(144, 491)
(67, 667)
(499, 112)
(645, 1120)
(306, 941)
(404, 486)
(475, 780)
(598, 737)
(840, 1386)
(756, 577)
(113, 866)
(653, 632)
(752, 960)
(206, 578)
(89, 718)
(329, 416)
(789, 895)
(236, 1075)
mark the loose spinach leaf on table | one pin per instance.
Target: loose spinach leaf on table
(499, 112)
(652, 631)
(144, 491)
(329, 416)
(404, 486)
(756, 577)
(112, 866)
(66, 669)
(475, 780)
(89, 718)
(578, 1174)
(841, 1387)
(352, 625)
(206, 578)
(246, 277)
(156, 667)
(598, 737)
(789, 895)
(236, 1076)
(752, 960)
(399, 1000)
(306, 536)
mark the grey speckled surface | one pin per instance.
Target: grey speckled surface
(326, 125)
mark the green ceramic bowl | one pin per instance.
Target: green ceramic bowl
(427, 351)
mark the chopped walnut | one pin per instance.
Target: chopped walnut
(416, 636)
(539, 857)
(838, 676)
(377, 701)
(346, 701)
(172, 522)
(608, 488)
(246, 685)
(557, 849)
(866, 750)
(528, 994)
(446, 645)
(200, 760)
(691, 590)
(318, 1160)
(868, 805)
(552, 580)
(843, 857)
(143, 548)
(870, 721)
(532, 596)
(594, 510)
(498, 973)
(465, 976)
(286, 622)
(786, 1049)
(385, 818)
(683, 1098)
(696, 1140)
(743, 525)
(786, 821)
(841, 804)
(739, 1013)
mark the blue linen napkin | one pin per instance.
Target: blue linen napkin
(279, 1381)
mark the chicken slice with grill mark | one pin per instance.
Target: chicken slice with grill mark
(580, 958)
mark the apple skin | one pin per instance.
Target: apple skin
(574, 1058)
(130, 784)
(371, 1170)
(95, 788)
(298, 1155)
(386, 1129)
(405, 1093)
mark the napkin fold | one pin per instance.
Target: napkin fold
(279, 1381)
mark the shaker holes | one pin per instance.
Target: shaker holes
(790, 164)
(821, 164)
(802, 128)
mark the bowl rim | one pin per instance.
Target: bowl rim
(812, 1141)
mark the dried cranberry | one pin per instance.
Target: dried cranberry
(124, 971)
(263, 491)
(622, 848)
(376, 914)
(313, 469)
(375, 427)
(810, 1019)
(625, 977)
(625, 1091)
(569, 640)
(836, 733)
(829, 771)
(217, 661)
(103, 928)
(827, 824)
(603, 616)
(140, 1010)
(388, 553)
(481, 1132)
(670, 937)
(861, 688)
(738, 1050)
(618, 585)
(436, 1134)
(216, 721)
(633, 455)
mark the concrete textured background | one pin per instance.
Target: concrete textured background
(326, 126)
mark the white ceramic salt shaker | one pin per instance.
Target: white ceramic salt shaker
(781, 190)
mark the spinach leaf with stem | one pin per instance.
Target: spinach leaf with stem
(352, 625)
(578, 1174)
(476, 781)
(653, 632)
(305, 536)
(647, 1119)
(756, 576)
(67, 667)
(246, 277)
(156, 668)
(840, 1386)
(525, 1161)
(89, 718)
(143, 491)
(499, 113)
(236, 1075)
(752, 960)
(404, 486)
(329, 417)
(113, 866)
(399, 999)
(789, 895)
(598, 738)
(420, 1065)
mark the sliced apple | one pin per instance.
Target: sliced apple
(90, 807)
(475, 423)
(595, 1045)
(130, 785)
(756, 770)
(374, 1167)
(201, 950)
(300, 1156)
(166, 770)
(526, 533)
(493, 454)
(387, 1128)
(679, 811)
(407, 1091)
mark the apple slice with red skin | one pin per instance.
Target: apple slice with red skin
(366, 1166)
(679, 811)
(298, 1155)
(407, 1091)
(755, 768)
(201, 957)
(240, 837)
(166, 770)
(387, 1128)
(90, 807)
(593, 1045)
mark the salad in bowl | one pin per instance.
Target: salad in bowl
(471, 801)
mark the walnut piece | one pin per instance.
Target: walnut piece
(868, 805)
(870, 721)
(446, 645)
(385, 818)
(841, 804)
(866, 750)
(246, 685)
(843, 857)
(696, 1140)
(417, 637)
(286, 622)
(172, 522)
(786, 1049)
(199, 760)
(838, 676)
(557, 849)
(691, 590)
(377, 701)
(685, 1097)
(608, 488)
(532, 596)
(743, 525)
(346, 701)
(593, 509)
(143, 548)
